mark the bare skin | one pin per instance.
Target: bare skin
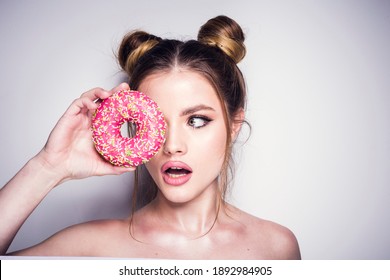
(178, 224)
(68, 154)
(237, 236)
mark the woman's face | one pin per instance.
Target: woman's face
(188, 164)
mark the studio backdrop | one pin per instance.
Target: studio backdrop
(317, 159)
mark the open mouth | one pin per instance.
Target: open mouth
(176, 172)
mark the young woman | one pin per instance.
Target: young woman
(201, 92)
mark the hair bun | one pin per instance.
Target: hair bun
(226, 34)
(133, 46)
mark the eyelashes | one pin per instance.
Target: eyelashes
(198, 121)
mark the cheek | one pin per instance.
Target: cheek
(210, 154)
(213, 144)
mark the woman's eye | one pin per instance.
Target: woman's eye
(198, 121)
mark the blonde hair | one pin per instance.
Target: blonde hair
(133, 46)
(226, 34)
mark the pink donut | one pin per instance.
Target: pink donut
(112, 113)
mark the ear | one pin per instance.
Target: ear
(238, 119)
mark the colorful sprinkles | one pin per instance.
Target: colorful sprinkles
(112, 113)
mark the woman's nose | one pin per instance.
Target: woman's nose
(174, 141)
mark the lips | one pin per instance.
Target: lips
(176, 173)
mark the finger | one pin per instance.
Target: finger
(116, 170)
(88, 101)
(106, 94)
(95, 94)
(122, 170)
(99, 93)
(79, 105)
(122, 86)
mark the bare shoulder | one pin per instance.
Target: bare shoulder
(283, 243)
(271, 240)
(85, 239)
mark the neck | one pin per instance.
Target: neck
(193, 218)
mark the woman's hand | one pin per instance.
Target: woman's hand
(69, 151)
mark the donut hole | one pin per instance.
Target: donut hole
(128, 129)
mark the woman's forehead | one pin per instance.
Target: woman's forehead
(179, 86)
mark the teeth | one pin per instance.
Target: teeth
(176, 175)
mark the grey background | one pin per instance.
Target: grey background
(318, 157)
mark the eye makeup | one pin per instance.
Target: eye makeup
(198, 121)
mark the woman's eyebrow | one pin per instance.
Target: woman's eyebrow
(196, 108)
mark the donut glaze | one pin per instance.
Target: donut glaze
(112, 113)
